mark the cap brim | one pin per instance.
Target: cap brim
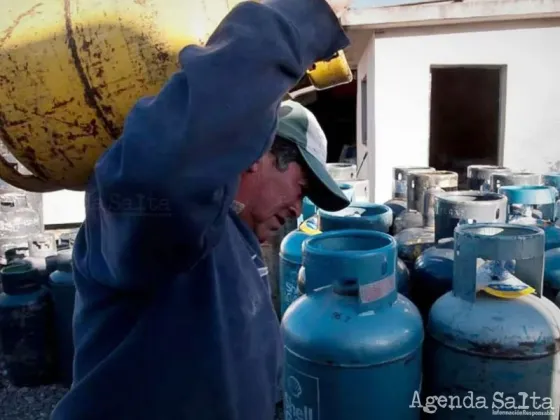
(323, 189)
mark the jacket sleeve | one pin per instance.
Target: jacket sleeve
(168, 181)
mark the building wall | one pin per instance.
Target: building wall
(400, 101)
(62, 207)
(365, 126)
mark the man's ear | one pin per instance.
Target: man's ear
(254, 167)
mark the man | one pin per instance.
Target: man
(173, 318)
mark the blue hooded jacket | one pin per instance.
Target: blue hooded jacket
(173, 315)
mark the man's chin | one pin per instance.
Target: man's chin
(265, 235)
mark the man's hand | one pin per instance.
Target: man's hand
(339, 6)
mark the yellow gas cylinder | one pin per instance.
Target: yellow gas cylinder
(70, 70)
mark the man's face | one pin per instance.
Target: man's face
(278, 196)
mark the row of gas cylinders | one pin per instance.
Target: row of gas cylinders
(36, 311)
(18, 221)
(437, 293)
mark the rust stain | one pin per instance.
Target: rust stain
(90, 93)
(15, 123)
(124, 89)
(107, 109)
(6, 138)
(61, 104)
(10, 30)
(140, 2)
(162, 55)
(86, 44)
(524, 348)
(31, 163)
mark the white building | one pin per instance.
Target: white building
(456, 83)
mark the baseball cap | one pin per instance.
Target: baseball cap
(298, 125)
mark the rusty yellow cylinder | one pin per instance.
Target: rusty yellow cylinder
(70, 70)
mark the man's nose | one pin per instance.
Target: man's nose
(295, 209)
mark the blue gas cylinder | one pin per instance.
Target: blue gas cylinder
(348, 190)
(290, 263)
(63, 291)
(309, 208)
(493, 339)
(26, 326)
(361, 215)
(271, 257)
(506, 179)
(398, 203)
(369, 216)
(433, 269)
(553, 180)
(522, 201)
(353, 345)
(551, 287)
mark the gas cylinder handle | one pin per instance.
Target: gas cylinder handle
(497, 242)
(428, 207)
(552, 180)
(356, 262)
(400, 178)
(29, 183)
(421, 182)
(411, 181)
(531, 195)
(453, 208)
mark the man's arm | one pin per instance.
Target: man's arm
(179, 158)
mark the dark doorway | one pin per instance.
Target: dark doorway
(335, 110)
(466, 117)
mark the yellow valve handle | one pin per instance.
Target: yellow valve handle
(309, 226)
(330, 73)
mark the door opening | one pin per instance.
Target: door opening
(466, 117)
(335, 110)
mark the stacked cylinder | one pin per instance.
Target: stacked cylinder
(464, 249)
(494, 336)
(478, 176)
(36, 313)
(398, 202)
(415, 228)
(433, 270)
(353, 345)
